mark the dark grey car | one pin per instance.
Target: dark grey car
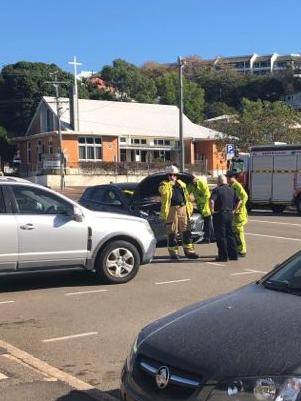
(139, 199)
(242, 346)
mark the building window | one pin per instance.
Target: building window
(50, 146)
(89, 148)
(122, 139)
(162, 155)
(162, 142)
(135, 141)
(28, 152)
(39, 150)
(123, 155)
(49, 121)
(138, 141)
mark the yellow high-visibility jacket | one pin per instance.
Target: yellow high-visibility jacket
(165, 189)
(201, 193)
(243, 196)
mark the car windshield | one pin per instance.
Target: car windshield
(287, 277)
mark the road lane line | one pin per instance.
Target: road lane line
(215, 264)
(273, 236)
(275, 222)
(50, 340)
(173, 281)
(2, 376)
(249, 271)
(6, 302)
(62, 376)
(70, 294)
(257, 271)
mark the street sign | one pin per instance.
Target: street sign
(230, 150)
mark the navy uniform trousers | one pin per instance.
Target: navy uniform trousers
(225, 238)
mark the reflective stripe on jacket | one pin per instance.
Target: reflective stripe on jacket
(165, 189)
(201, 193)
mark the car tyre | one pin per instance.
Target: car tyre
(278, 209)
(249, 206)
(118, 262)
(298, 204)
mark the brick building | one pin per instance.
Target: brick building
(110, 132)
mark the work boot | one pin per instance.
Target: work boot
(173, 254)
(191, 255)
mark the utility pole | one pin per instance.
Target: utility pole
(75, 64)
(181, 107)
(56, 84)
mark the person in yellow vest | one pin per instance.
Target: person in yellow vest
(176, 209)
(201, 193)
(240, 217)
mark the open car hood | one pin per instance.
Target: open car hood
(148, 189)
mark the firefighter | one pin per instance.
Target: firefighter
(176, 210)
(240, 218)
(201, 192)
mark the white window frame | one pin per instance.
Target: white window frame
(87, 145)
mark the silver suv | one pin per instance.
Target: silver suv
(41, 229)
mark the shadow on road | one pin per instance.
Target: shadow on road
(167, 260)
(90, 395)
(14, 282)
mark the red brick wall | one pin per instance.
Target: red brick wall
(109, 148)
(70, 146)
(208, 150)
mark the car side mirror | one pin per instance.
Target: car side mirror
(77, 214)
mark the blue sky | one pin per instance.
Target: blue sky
(98, 31)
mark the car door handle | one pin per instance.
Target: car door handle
(27, 226)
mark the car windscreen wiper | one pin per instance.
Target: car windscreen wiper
(284, 286)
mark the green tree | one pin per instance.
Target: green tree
(168, 91)
(217, 109)
(263, 122)
(221, 86)
(23, 85)
(130, 81)
(7, 150)
(167, 86)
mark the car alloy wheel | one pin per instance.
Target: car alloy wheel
(120, 262)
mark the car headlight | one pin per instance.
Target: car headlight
(258, 389)
(131, 356)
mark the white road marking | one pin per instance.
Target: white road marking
(70, 294)
(248, 271)
(215, 264)
(16, 360)
(49, 370)
(6, 302)
(273, 236)
(2, 376)
(50, 340)
(173, 281)
(275, 222)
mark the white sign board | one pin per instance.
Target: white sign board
(51, 164)
(230, 150)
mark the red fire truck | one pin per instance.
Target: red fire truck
(272, 176)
